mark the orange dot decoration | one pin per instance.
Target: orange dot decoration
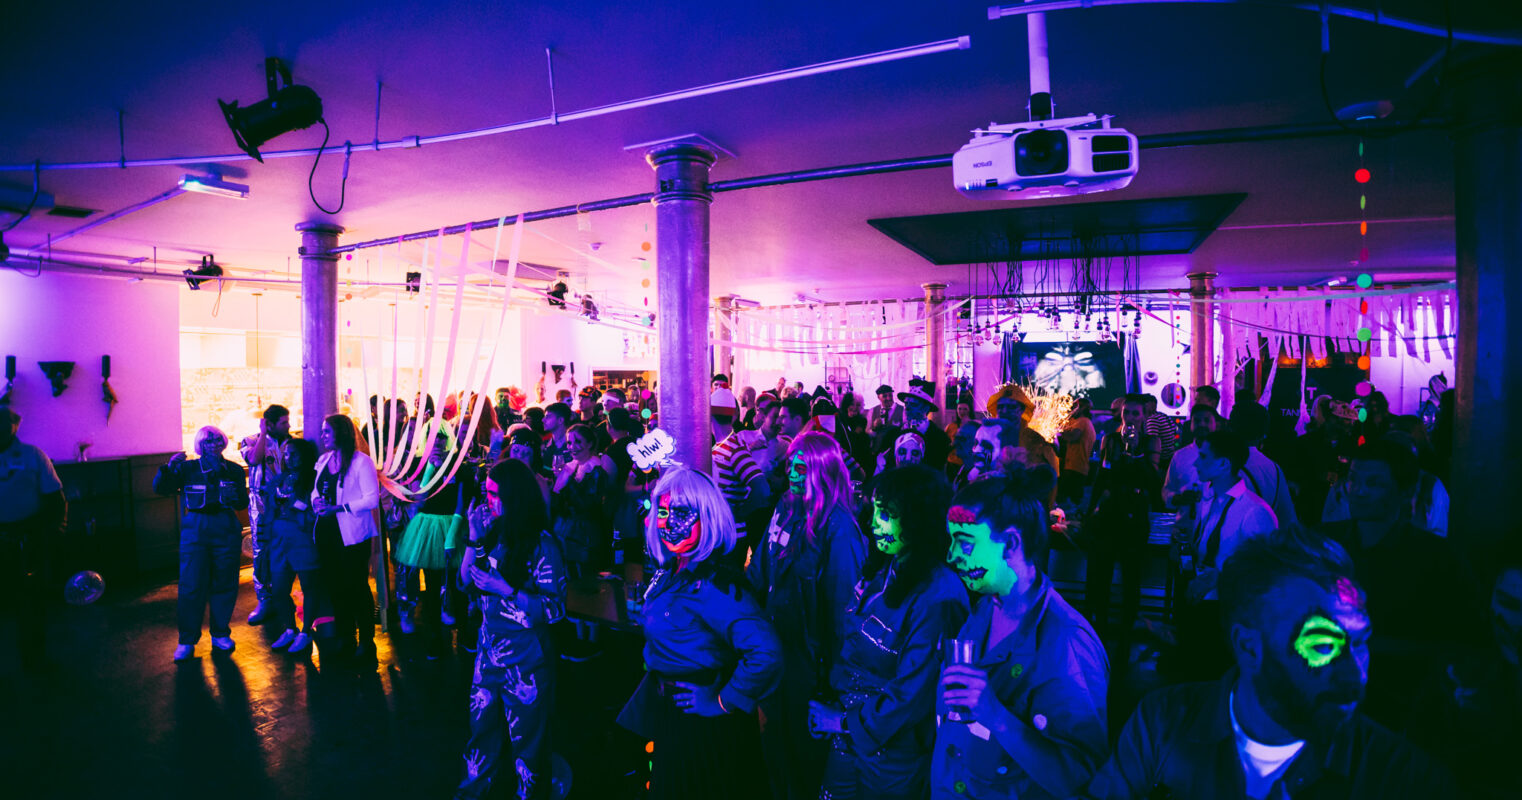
(645, 246)
(649, 747)
(1363, 228)
(645, 283)
(1363, 363)
(1362, 175)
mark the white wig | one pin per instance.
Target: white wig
(207, 432)
(688, 487)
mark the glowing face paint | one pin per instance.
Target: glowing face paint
(796, 474)
(1349, 594)
(909, 449)
(916, 409)
(886, 528)
(976, 558)
(678, 526)
(1320, 641)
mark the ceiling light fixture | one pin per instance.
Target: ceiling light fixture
(208, 269)
(288, 108)
(213, 185)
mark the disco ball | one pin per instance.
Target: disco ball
(84, 588)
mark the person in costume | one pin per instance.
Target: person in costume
(517, 567)
(885, 680)
(711, 655)
(806, 571)
(428, 546)
(292, 551)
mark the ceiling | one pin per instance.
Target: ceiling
(452, 66)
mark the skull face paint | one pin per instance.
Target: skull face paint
(887, 528)
(909, 449)
(797, 473)
(916, 408)
(1320, 641)
(678, 526)
(974, 555)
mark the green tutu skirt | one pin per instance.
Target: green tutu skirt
(426, 540)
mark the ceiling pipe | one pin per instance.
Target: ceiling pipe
(116, 215)
(1262, 133)
(1377, 17)
(821, 68)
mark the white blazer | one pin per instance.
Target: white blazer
(360, 491)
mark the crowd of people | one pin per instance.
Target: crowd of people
(856, 602)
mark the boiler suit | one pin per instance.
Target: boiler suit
(211, 541)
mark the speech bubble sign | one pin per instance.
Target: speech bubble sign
(653, 449)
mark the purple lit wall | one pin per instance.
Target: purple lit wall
(59, 317)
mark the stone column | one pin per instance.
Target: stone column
(1487, 140)
(1201, 332)
(681, 234)
(319, 325)
(935, 344)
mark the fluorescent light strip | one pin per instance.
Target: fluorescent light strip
(881, 57)
(203, 184)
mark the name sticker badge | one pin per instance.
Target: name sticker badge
(977, 729)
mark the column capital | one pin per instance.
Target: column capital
(319, 227)
(681, 172)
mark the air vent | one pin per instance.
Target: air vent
(72, 212)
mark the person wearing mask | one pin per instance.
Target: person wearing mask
(996, 450)
(1120, 508)
(1011, 403)
(33, 513)
(1285, 721)
(882, 720)
(1077, 439)
(514, 566)
(261, 452)
(344, 498)
(425, 552)
(293, 552)
(1249, 420)
(1025, 717)
(211, 489)
(919, 406)
(804, 572)
(711, 655)
(1181, 486)
(580, 502)
(886, 412)
(792, 416)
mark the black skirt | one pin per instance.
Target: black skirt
(696, 756)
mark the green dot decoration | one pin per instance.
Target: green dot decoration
(1364, 334)
(1365, 280)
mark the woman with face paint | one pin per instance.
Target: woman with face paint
(711, 655)
(516, 565)
(211, 537)
(905, 603)
(581, 503)
(806, 571)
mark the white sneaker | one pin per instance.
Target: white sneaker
(184, 652)
(223, 643)
(284, 640)
(301, 643)
(446, 618)
(406, 620)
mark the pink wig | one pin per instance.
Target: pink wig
(827, 484)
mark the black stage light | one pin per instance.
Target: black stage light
(287, 108)
(208, 269)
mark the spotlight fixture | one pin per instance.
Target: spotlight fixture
(208, 269)
(211, 184)
(288, 108)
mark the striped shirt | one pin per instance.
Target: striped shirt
(1162, 426)
(734, 468)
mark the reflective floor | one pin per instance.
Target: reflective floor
(113, 716)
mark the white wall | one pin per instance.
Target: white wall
(1403, 377)
(60, 317)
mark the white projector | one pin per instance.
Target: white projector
(1046, 158)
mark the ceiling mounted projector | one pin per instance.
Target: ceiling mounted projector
(287, 108)
(1045, 157)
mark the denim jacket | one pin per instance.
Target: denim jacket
(204, 487)
(1052, 675)
(890, 664)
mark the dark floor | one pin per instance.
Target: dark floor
(114, 717)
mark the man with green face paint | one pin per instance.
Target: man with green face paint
(1035, 690)
(1286, 720)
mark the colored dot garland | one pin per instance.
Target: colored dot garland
(1364, 281)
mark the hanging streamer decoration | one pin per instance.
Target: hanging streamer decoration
(1361, 176)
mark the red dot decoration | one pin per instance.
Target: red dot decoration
(1362, 175)
(1363, 254)
(1363, 306)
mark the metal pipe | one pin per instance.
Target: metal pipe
(880, 57)
(1376, 17)
(116, 215)
(1183, 139)
(681, 232)
(319, 324)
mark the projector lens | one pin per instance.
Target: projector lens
(1041, 153)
